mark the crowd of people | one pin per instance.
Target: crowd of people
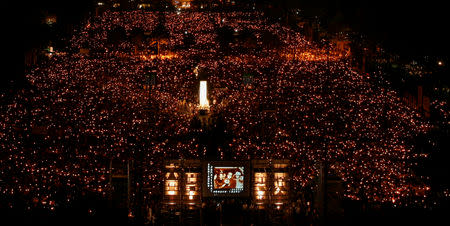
(58, 135)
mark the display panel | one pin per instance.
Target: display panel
(226, 179)
(229, 178)
(260, 187)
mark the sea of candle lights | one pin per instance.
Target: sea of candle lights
(80, 110)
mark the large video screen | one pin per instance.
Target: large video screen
(227, 179)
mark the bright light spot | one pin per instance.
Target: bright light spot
(196, 71)
(204, 103)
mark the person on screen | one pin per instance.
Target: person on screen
(228, 180)
(215, 181)
(232, 179)
(219, 182)
(239, 180)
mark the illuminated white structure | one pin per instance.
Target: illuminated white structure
(260, 187)
(204, 103)
(182, 183)
(171, 184)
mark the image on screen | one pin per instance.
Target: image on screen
(228, 178)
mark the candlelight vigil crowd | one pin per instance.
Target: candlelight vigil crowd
(277, 95)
